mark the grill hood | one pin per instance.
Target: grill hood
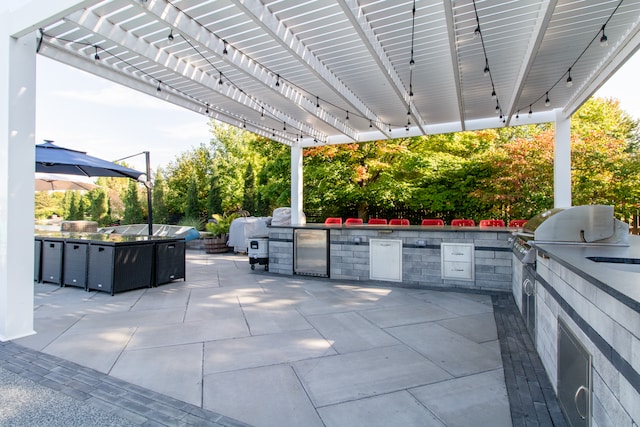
(593, 224)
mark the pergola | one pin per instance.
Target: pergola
(307, 72)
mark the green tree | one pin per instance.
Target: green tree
(72, 212)
(249, 198)
(160, 211)
(214, 199)
(133, 213)
(191, 209)
(99, 206)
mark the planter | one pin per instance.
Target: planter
(215, 245)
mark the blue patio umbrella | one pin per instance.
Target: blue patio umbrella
(51, 158)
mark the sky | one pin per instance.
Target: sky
(84, 112)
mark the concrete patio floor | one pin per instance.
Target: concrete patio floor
(271, 350)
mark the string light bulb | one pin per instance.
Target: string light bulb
(317, 104)
(518, 115)
(370, 124)
(220, 79)
(347, 118)
(207, 110)
(412, 63)
(486, 67)
(262, 114)
(547, 101)
(224, 49)
(170, 36)
(158, 88)
(530, 111)
(96, 57)
(476, 32)
(278, 81)
(604, 40)
(569, 79)
(493, 93)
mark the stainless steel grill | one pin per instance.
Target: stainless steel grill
(589, 224)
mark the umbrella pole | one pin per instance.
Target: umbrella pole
(148, 185)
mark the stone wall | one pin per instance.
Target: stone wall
(421, 255)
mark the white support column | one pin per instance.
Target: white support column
(297, 215)
(562, 162)
(17, 164)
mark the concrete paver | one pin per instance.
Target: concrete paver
(229, 346)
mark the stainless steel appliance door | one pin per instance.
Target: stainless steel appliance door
(310, 252)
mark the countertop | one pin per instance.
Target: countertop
(429, 228)
(103, 237)
(621, 281)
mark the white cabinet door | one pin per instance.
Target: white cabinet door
(385, 260)
(457, 261)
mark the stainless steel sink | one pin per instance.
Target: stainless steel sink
(623, 264)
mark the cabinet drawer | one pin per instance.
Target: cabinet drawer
(461, 252)
(457, 270)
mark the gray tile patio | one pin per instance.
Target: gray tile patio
(271, 350)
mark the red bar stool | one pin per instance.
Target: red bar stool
(333, 221)
(463, 223)
(433, 221)
(378, 221)
(518, 223)
(491, 223)
(399, 221)
(353, 221)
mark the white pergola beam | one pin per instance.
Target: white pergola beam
(455, 66)
(40, 13)
(163, 10)
(354, 13)
(72, 59)
(262, 16)
(626, 47)
(547, 6)
(95, 24)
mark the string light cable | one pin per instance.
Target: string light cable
(601, 37)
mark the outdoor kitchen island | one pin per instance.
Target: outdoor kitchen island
(579, 295)
(588, 329)
(450, 257)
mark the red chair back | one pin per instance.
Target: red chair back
(399, 221)
(432, 221)
(353, 221)
(379, 221)
(463, 223)
(332, 220)
(518, 223)
(491, 223)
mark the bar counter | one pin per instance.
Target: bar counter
(420, 256)
(108, 262)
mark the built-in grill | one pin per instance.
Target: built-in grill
(580, 225)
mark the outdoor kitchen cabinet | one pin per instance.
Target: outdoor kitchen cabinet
(574, 378)
(169, 261)
(75, 264)
(52, 250)
(385, 260)
(120, 266)
(457, 261)
(37, 260)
